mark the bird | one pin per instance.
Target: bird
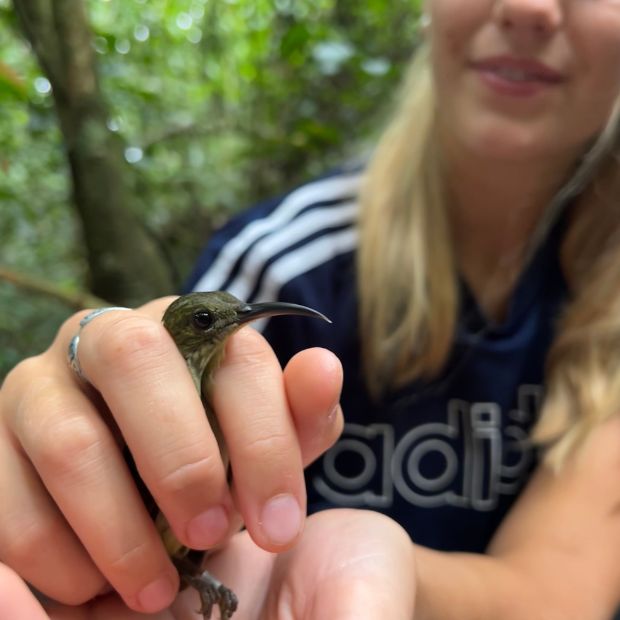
(200, 323)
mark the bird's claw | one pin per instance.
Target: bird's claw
(211, 593)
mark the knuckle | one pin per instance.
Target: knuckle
(124, 559)
(22, 540)
(249, 348)
(190, 475)
(35, 404)
(131, 342)
(67, 449)
(272, 446)
(21, 374)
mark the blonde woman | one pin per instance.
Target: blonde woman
(471, 270)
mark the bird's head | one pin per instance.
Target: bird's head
(199, 323)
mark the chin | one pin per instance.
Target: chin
(507, 142)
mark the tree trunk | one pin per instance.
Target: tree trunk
(125, 264)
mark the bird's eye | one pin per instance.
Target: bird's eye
(202, 320)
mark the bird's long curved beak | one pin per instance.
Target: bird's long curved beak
(251, 312)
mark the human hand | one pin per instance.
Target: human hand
(74, 520)
(347, 565)
(16, 601)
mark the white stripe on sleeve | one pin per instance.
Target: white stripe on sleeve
(301, 228)
(300, 261)
(332, 188)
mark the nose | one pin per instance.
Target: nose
(529, 18)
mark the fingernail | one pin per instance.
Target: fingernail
(157, 595)
(281, 519)
(208, 528)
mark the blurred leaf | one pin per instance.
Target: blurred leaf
(11, 85)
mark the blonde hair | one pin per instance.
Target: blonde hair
(583, 365)
(408, 287)
(407, 317)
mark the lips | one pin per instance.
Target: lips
(520, 78)
(519, 70)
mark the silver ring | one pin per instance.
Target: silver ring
(72, 353)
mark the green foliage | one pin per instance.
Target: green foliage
(219, 103)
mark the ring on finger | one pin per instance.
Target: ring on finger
(72, 353)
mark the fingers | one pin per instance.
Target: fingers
(35, 539)
(136, 366)
(16, 600)
(350, 565)
(313, 380)
(82, 468)
(251, 405)
(61, 465)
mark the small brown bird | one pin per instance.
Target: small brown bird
(200, 323)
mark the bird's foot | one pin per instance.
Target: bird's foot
(212, 592)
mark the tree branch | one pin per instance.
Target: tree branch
(76, 300)
(182, 131)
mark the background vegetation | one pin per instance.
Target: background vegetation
(126, 137)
